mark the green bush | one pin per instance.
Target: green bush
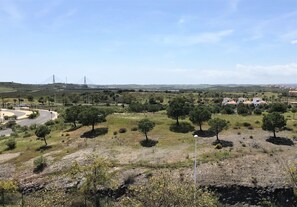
(218, 146)
(11, 143)
(34, 114)
(33, 127)
(133, 129)
(122, 130)
(246, 124)
(258, 111)
(10, 124)
(39, 164)
(50, 123)
(26, 134)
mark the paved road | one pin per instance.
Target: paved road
(41, 119)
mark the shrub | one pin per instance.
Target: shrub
(250, 127)
(39, 164)
(10, 124)
(14, 134)
(27, 134)
(227, 109)
(122, 130)
(50, 123)
(258, 111)
(11, 143)
(257, 122)
(24, 128)
(278, 107)
(134, 129)
(115, 133)
(34, 114)
(33, 127)
(218, 146)
(246, 124)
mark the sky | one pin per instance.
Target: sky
(149, 41)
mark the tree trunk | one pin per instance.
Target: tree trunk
(217, 134)
(3, 197)
(45, 141)
(74, 124)
(93, 127)
(146, 138)
(200, 125)
(177, 122)
(274, 134)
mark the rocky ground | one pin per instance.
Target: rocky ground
(251, 166)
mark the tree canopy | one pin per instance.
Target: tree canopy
(273, 121)
(179, 107)
(72, 114)
(199, 115)
(217, 125)
(145, 125)
(91, 116)
(42, 131)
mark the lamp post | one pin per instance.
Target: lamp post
(195, 167)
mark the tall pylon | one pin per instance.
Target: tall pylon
(85, 80)
(54, 79)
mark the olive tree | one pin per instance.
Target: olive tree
(179, 107)
(217, 125)
(273, 121)
(199, 115)
(145, 125)
(91, 116)
(72, 114)
(42, 131)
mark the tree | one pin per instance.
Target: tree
(179, 107)
(278, 107)
(136, 107)
(91, 116)
(243, 110)
(273, 121)
(145, 125)
(72, 114)
(97, 175)
(217, 125)
(30, 98)
(7, 186)
(42, 131)
(199, 115)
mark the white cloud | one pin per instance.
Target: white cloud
(294, 42)
(272, 70)
(202, 38)
(240, 74)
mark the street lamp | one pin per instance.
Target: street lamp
(195, 167)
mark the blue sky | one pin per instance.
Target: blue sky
(149, 41)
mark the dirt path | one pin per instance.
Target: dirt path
(9, 156)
